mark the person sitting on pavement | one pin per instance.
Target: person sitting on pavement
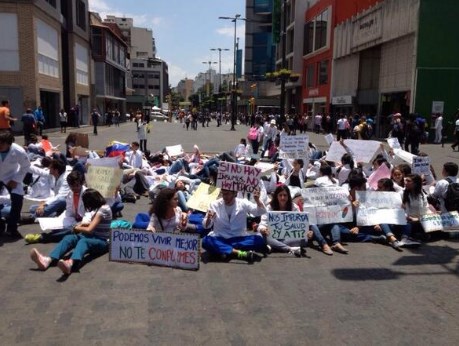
(449, 173)
(229, 238)
(87, 237)
(165, 214)
(54, 205)
(74, 212)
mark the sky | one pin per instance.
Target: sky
(184, 30)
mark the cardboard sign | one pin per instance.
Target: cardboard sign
(80, 151)
(176, 250)
(81, 139)
(288, 224)
(440, 222)
(403, 156)
(174, 150)
(421, 165)
(326, 205)
(202, 197)
(104, 179)
(296, 146)
(236, 177)
(377, 208)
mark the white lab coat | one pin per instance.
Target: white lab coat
(14, 167)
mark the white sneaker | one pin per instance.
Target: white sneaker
(295, 251)
(406, 242)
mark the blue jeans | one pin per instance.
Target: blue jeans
(81, 244)
(182, 201)
(405, 230)
(318, 234)
(53, 209)
(339, 230)
(55, 235)
(116, 208)
(220, 245)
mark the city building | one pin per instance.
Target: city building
(45, 57)
(109, 52)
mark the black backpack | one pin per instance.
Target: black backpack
(452, 196)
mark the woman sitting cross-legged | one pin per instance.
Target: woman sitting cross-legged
(166, 215)
(89, 236)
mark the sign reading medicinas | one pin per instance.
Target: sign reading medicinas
(236, 177)
(177, 250)
(440, 222)
(104, 179)
(287, 224)
(376, 207)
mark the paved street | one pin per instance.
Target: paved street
(373, 296)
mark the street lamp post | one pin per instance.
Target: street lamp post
(220, 74)
(208, 83)
(234, 88)
(284, 62)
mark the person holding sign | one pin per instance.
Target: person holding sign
(165, 214)
(229, 238)
(87, 237)
(281, 201)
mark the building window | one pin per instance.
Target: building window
(51, 2)
(81, 14)
(323, 72)
(321, 30)
(310, 76)
(316, 33)
(9, 49)
(48, 49)
(82, 64)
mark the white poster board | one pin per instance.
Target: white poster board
(377, 208)
(202, 197)
(335, 152)
(363, 150)
(177, 250)
(236, 177)
(440, 222)
(296, 146)
(104, 179)
(421, 165)
(394, 143)
(288, 224)
(329, 138)
(174, 150)
(105, 162)
(326, 205)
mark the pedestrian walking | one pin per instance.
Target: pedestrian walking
(63, 120)
(95, 116)
(5, 118)
(40, 119)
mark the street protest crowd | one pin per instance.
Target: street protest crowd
(273, 192)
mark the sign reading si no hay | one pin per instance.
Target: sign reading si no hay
(288, 225)
(177, 250)
(236, 177)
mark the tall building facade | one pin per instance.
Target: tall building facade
(45, 57)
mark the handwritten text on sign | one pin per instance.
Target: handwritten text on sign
(287, 225)
(421, 165)
(235, 177)
(202, 197)
(294, 144)
(442, 222)
(104, 179)
(376, 207)
(162, 249)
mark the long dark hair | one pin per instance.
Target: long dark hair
(92, 199)
(275, 202)
(416, 191)
(161, 202)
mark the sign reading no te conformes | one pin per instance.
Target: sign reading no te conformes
(177, 250)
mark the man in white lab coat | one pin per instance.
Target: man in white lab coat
(14, 164)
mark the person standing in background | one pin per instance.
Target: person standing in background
(95, 120)
(438, 128)
(63, 120)
(28, 125)
(5, 117)
(40, 119)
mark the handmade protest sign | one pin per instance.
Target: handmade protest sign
(376, 207)
(104, 179)
(402, 156)
(325, 205)
(177, 250)
(288, 224)
(174, 150)
(202, 197)
(329, 138)
(236, 177)
(382, 172)
(440, 222)
(421, 165)
(394, 143)
(266, 168)
(335, 152)
(105, 161)
(294, 146)
(362, 150)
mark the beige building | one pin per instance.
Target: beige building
(44, 57)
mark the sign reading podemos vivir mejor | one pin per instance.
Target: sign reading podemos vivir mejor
(177, 250)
